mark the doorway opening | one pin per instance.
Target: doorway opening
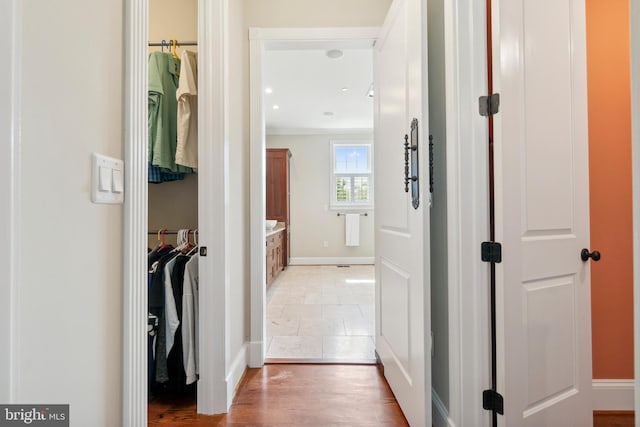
(172, 203)
(319, 235)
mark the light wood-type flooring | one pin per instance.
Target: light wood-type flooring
(295, 396)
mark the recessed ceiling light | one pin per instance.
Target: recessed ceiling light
(328, 113)
(276, 107)
(345, 89)
(334, 53)
(268, 90)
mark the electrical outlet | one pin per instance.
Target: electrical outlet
(325, 243)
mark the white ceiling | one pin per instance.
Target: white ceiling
(306, 84)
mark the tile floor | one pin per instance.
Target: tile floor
(322, 313)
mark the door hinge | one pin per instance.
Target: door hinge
(489, 105)
(491, 252)
(493, 401)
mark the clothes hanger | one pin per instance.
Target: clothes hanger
(187, 244)
(174, 46)
(163, 43)
(179, 240)
(162, 237)
(195, 243)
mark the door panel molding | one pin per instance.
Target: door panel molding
(467, 211)
(541, 178)
(403, 297)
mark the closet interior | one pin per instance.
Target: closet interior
(173, 199)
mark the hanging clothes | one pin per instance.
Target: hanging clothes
(187, 96)
(175, 364)
(190, 320)
(173, 293)
(157, 301)
(164, 72)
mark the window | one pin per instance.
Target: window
(351, 174)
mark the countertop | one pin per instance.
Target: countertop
(278, 228)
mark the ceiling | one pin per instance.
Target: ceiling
(307, 86)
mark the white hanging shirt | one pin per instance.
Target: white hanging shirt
(172, 320)
(187, 95)
(190, 320)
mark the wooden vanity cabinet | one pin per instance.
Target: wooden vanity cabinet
(277, 193)
(275, 255)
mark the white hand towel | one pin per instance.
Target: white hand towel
(352, 230)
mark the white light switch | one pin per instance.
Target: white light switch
(118, 181)
(104, 179)
(107, 183)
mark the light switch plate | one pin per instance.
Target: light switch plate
(107, 183)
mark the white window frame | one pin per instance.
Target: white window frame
(333, 202)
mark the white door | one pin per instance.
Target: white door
(542, 213)
(402, 241)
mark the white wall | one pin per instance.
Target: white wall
(70, 262)
(7, 88)
(439, 260)
(312, 225)
(316, 13)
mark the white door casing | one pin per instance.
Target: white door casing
(214, 395)
(542, 212)
(402, 232)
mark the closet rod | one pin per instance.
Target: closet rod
(168, 43)
(360, 213)
(168, 232)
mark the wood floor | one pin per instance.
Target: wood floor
(613, 419)
(294, 395)
(311, 395)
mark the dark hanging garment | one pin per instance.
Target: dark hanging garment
(156, 307)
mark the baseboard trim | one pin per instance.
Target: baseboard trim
(256, 357)
(236, 372)
(332, 261)
(613, 395)
(439, 412)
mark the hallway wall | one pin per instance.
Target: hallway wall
(69, 312)
(7, 89)
(608, 72)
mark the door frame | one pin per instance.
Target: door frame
(467, 210)
(634, 14)
(259, 40)
(10, 111)
(214, 395)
